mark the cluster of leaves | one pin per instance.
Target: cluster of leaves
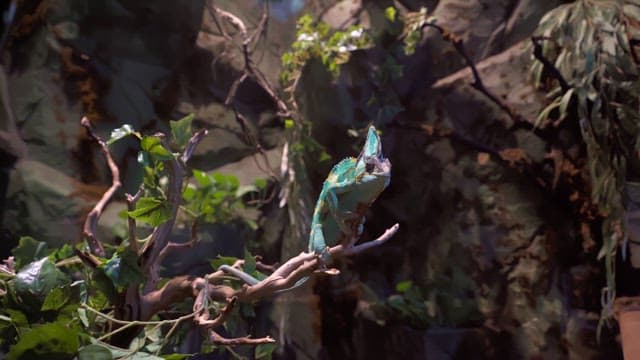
(437, 304)
(590, 44)
(212, 198)
(44, 307)
(34, 293)
(318, 41)
(54, 305)
(333, 47)
(412, 24)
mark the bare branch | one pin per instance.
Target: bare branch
(192, 144)
(203, 318)
(91, 222)
(548, 65)
(477, 80)
(217, 339)
(388, 234)
(173, 245)
(174, 291)
(304, 265)
(250, 71)
(160, 236)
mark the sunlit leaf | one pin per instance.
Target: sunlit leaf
(56, 299)
(151, 210)
(181, 130)
(122, 132)
(39, 278)
(390, 13)
(153, 145)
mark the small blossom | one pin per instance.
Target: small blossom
(307, 37)
(356, 33)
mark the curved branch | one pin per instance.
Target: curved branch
(90, 224)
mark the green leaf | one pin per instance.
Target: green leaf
(151, 210)
(153, 145)
(390, 13)
(223, 260)
(65, 252)
(404, 286)
(107, 291)
(18, 318)
(260, 183)
(121, 132)
(82, 315)
(56, 299)
(49, 341)
(181, 130)
(28, 250)
(176, 356)
(264, 351)
(94, 352)
(202, 178)
(144, 356)
(123, 269)
(288, 123)
(39, 278)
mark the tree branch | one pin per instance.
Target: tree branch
(90, 224)
(217, 339)
(160, 235)
(477, 80)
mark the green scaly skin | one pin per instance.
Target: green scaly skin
(339, 215)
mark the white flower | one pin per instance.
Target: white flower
(349, 47)
(356, 33)
(307, 37)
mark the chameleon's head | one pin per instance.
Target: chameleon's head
(372, 166)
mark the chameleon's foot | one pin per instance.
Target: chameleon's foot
(325, 257)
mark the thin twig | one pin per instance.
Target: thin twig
(388, 234)
(90, 224)
(477, 83)
(548, 65)
(219, 340)
(250, 71)
(203, 318)
(160, 235)
(173, 245)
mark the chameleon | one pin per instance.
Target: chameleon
(339, 214)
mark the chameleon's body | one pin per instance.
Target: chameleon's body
(349, 190)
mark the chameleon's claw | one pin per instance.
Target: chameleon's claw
(325, 256)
